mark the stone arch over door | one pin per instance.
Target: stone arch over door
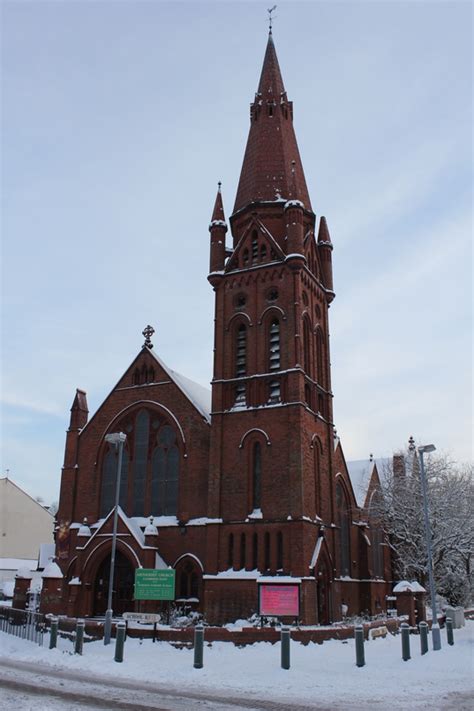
(96, 574)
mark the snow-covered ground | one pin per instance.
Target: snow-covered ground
(320, 674)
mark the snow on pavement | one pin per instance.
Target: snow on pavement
(319, 674)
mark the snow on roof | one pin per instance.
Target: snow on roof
(15, 563)
(360, 473)
(405, 586)
(46, 551)
(52, 570)
(8, 588)
(199, 395)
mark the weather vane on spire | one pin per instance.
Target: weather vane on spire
(270, 18)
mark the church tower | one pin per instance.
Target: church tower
(272, 435)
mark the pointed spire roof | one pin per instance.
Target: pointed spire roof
(323, 234)
(271, 81)
(268, 172)
(218, 212)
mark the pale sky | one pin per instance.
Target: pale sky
(119, 118)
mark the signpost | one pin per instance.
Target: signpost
(153, 584)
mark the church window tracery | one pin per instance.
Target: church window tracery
(165, 473)
(140, 462)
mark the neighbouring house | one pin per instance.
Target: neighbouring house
(26, 529)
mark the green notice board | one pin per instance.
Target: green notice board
(153, 584)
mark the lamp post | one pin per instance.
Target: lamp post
(117, 439)
(434, 625)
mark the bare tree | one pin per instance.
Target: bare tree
(451, 503)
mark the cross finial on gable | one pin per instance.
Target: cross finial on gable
(148, 332)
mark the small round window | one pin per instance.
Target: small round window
(240, 301)
(272, 295)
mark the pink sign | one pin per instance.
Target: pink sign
(281, 600)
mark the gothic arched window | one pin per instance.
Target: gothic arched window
(255, 551)
(279, 551)
(109, 480)
(319, 357)
(267, 551)
(165, 473)
(230, 550)
(343, 520)
(307, 346)
(243, 551)
(188, 581)
(257, 476)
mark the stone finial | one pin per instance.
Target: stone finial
(148, 332)
(411, 444)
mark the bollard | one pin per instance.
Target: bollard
(359, 645)
(285, 648)
(119, 641)
(423, 637)
(53, 633)
(198, 646)
(405, 630)
(449, 631)
(79, 637)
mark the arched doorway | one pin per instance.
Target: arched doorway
(323, 592)
(124, 578)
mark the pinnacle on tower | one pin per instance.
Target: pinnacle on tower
(218, 217)
(79, 411)
(218, 229)
(272, 169)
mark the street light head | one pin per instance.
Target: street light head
(115, 437)
(426, 448)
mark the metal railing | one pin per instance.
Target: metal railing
(23, 623)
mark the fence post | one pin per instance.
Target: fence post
(119, 641)
(405, 629)
(79, 637)
(423, 637)
(359, 645)
(198, 646)
(449, 631)
(285, 648)
(53, 633)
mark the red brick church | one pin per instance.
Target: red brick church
(246, 482)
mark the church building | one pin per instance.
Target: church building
(246, 482)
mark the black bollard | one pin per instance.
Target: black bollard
(423, 637)
(79, 637)
(119, 641)
(405, 630)
(198, 646)
(359, 645)
(449, 631)
(53, 633)
(285, 648)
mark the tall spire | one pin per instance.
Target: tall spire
(272, 168)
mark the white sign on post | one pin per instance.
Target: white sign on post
(148, 618)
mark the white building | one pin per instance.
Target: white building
(25, 525)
